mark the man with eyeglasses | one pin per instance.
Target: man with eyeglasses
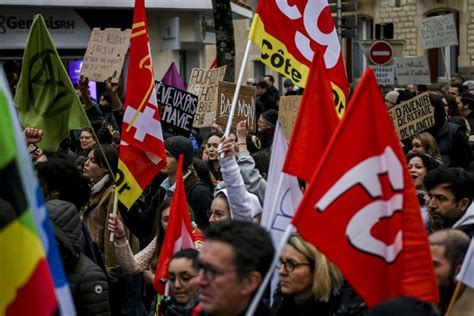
(231, 265)
(448, 199)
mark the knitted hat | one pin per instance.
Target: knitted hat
(177, 145)
(270, 117)
(392, 96)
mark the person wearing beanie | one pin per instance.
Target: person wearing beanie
(391, 99)
(266, 127)
(198, 194)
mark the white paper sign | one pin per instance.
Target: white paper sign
(385, 74)
(438, 31)
(412, 70)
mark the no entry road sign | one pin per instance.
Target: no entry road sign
(380, 53)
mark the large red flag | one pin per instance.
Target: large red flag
(315, 123)
(179, 234)
(361, 209)
(289, 32)
(142, 151)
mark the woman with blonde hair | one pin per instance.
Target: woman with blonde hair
(310, 284)
(424, 143)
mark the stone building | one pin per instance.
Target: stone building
(401, 20)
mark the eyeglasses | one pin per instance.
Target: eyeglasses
(210, 272)
(438, 197)
(290, 265)
(183, 278)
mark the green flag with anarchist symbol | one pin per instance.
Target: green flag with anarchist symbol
(45, 96)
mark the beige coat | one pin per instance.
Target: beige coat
(95, 217)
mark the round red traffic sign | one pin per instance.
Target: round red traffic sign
(380, 52)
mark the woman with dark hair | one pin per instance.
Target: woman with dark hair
(149, 256)
(100, 167)
(201, 171)
(418, 166)
(212, 143)
(452, 143)
(182, 270)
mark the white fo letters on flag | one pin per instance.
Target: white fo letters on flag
(367, 175)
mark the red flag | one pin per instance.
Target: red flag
(315, 123)
(361, 209)
(179, 233)
(142, 153)
(289, 32)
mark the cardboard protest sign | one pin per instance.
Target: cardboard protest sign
(105, 54)
(179, 108)
(438, 31)
(288, 111)
(203, 83)
(244, 109)
(385, 74)
(412, 70)
(412, 117)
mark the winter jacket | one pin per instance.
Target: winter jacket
(254, 182)
(453, 146)
(243, 205)
(347, 302)
(87, 282)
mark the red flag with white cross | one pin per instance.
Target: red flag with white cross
(142, 150)
(361, 210)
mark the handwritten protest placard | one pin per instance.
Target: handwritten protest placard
(244, 109)
(105, 54)
(179, 108)
(412, 117)
(438, 31)
(288, 111)
(203, 83)
(412, 70)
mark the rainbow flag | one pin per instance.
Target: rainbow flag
(31, 272)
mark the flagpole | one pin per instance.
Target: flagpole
(454, 298)
(258, 296)
(268, 224)
(237, 89)
(114, 211)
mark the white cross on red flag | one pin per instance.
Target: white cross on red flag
(142, 151)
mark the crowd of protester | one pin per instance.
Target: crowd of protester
(225, 184)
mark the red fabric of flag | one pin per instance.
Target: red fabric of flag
(315, 123)
(142, 151)
(289, 32)
(178, 233)
(141, 123)
(361, 209)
